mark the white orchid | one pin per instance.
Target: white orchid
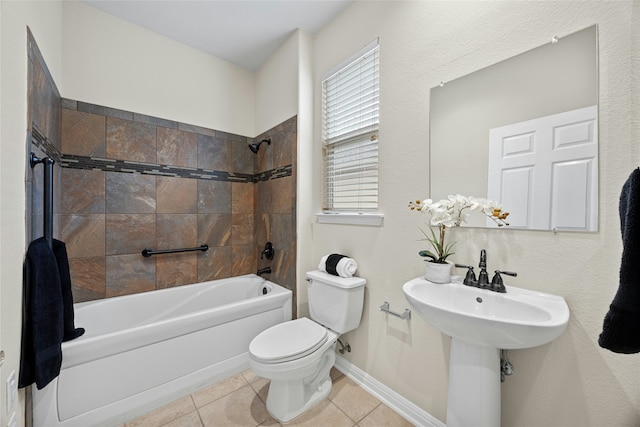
(453, 212)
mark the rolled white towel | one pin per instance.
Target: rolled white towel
(338, 265)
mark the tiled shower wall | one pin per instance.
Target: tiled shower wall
(275, 203)
(44, 124)
(131, 181)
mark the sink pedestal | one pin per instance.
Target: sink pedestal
(474, 385)
(481, 322)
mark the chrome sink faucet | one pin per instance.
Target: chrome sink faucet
(482, 281)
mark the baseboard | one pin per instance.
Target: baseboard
(392, 399)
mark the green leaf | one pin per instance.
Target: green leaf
(428, 254)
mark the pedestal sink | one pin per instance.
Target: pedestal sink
(480, 323)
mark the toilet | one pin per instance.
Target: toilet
(297, 355)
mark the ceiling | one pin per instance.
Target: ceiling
(243, 32)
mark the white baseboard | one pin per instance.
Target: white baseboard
(411, 412)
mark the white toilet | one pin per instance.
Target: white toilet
(297, 355)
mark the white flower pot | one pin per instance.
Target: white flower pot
(438, 273)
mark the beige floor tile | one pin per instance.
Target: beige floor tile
(261, 386)
(243, 408)
(323, 414)
(164, 415)
(272, 423)
(384, 416)
(351, 399)
(335, 374)
(192, 419)
(250, 376)
(218, 390)
(240, 401)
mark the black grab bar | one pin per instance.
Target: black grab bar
(146, 252)
(48, 194)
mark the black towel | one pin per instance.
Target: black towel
(43, 325)
(60, 252)
(332, 263)
(621, 330)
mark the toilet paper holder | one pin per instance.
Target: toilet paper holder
(406, 314)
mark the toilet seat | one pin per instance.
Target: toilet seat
(288, 341)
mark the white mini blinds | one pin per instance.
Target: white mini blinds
(350, 134)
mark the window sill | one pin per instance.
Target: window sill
(350, 218)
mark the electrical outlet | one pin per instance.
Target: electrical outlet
(12, 391)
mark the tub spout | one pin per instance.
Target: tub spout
(266, 270)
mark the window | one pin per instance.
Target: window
(350, 134)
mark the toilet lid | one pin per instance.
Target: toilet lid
(288, 341)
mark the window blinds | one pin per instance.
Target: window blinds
(350, 134)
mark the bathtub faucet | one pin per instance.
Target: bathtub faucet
(266, 270)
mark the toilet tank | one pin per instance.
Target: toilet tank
(335, 302)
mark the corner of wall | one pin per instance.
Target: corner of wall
(305, 171)
(277, 86)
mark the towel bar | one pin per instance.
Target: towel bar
(406, 314)
(48, 194)
(147, 252)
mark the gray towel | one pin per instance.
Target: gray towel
(621, 329)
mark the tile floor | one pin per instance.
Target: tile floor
(240, 401)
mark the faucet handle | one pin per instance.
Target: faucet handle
(470, 278)
(508, 273)
(497, 284)
(462, 266)
(268, 251)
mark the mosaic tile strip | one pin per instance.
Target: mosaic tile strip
(125, 166)
(273, 174)
(40, 141)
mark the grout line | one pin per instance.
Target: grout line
(249, 384)
(399, 404)
(195, 410)
(369, 413)
(365, 415)
(220, 397)
(200, 417)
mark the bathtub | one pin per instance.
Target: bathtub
(144, 350)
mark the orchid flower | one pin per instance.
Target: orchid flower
(453, 212)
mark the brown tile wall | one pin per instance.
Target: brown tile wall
(108, 217)
(44, 110)
(275, 204)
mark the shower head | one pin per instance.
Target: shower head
(256, 145)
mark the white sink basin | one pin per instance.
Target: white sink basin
(518, 319)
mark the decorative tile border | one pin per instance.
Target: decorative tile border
(40, 141)
(273, 174)
(126, 166)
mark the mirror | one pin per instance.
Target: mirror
(523, 132)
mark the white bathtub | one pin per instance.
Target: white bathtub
(141, 351)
